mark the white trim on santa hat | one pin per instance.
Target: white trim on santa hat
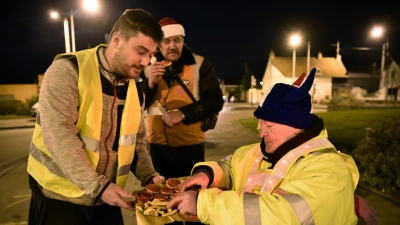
(173, 30)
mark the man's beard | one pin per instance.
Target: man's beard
(120, 67)
(173, 51)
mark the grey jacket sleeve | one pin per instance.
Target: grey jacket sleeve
(142, 166)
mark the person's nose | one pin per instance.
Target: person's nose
(263, 132)
(145, 61)
(172, 45)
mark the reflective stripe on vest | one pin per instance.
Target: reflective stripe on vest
(90, 143)
(40, 162)
(268, 181)
(131, 118)
(251, 209)
(127, 140)
(47, 161)
(196, 78)
(154, 111)
(225, 166)
(299, 205)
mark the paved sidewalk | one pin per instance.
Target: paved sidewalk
(17, 123)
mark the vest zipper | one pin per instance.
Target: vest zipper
(111, 128)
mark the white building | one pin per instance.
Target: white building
(330, 71)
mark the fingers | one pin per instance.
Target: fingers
(126, 205)
(172, 118)
(185, 185)
(175, 201)
(112, 196)
(123, 193)
(158, 179)
(167, 120)
(182, 208)
(154, 72)
(186, 202)
(156, 69)
(200, 179)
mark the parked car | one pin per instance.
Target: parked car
(35, 109)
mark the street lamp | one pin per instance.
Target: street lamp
(308, 57)
(89, 5)
(294, 41)
(55, 15)
(378, 32)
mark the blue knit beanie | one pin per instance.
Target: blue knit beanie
(289, 105)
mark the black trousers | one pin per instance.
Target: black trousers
(176, 161)
(47, 211)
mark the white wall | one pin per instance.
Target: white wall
(323, 89)
(323, 85)
(271, 77)
(254, 95)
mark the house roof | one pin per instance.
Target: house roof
(328, 66)
(232, 81)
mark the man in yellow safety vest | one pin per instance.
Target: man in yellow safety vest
(90, 130)
(294, 176)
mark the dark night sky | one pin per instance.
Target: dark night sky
(228, 33)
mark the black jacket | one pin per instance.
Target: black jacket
(211, 101)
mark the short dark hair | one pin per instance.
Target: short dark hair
(133, 21)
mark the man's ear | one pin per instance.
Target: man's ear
(115, 39)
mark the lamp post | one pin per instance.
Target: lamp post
(308, 57)
(55, 15)
(377, 32)
(90, 5)
(294, 41)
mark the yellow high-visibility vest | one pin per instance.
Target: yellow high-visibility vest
(41, 165)
(311, 184)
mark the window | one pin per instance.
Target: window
(318, 71)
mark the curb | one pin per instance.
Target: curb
(20, 127)
(379, 193)
(249, 131)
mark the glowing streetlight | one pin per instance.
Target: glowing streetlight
(378, 32)
(294, 41)
(89, 5)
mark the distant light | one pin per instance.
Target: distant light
(90, 5)
(261, 82)
(294, 40)
(54, 15)
(377, 32)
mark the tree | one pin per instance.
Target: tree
(246, 80)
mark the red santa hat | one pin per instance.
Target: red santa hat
(171, 28)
